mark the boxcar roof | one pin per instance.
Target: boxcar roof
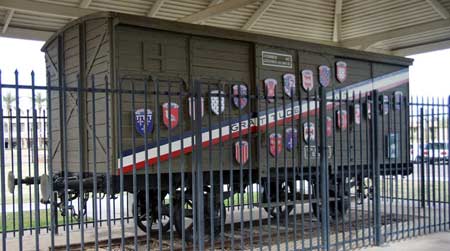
(208, 31)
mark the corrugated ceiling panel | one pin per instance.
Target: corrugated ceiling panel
(360, 18)
(308, 19)
(39, 22)
(445, 3)
(300, 19)
(234, 19)
(72, 3)
(175, 9)
(2, 16)
(136, 7)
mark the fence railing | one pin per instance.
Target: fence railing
(159, 163)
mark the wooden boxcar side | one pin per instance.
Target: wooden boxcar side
(127, 49)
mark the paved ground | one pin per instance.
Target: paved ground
(433, 242)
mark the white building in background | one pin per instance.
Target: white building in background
(10, 127)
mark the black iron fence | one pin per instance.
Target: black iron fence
(158, 163)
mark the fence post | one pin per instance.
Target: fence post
(2, 171)
(324, 169)
(422, 160)
(376, 170)
(200, 221)
(447, 124)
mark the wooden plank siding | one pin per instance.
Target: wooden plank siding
(137, 48)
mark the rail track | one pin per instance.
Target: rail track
(300, 230)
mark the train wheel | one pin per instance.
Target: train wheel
(142, 214)
(154, 222)
(165, 218)
(281, 210)
(364, 190)
(339, 203)
(184, 217)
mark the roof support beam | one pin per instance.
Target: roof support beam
(337, 21)
(445, 44)
(7, 20)
(29, 34)
(437, 6)
(216, 10)
(367, 41)
(45, 8)
(155, 8)
(213, 2)
(255, 17)
(85, 3)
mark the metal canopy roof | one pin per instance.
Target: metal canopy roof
(400, 27)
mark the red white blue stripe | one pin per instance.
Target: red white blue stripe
(235, 128)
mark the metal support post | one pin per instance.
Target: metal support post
(324, 169)
(422, 159)
(200, 221)
(376, 171)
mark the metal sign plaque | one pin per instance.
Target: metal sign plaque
(270, 85)
(307, 80)
(141, 126)
(217, 101)
(170, 114)
(191, 101)
(241, 152)
(240, 99)
(275, 144)
(289, 84)
(312, 153)
(341, 71)
(291, 138)
(324, 75)
(277, 59)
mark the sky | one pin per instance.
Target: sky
(24, 56)
(428, 75)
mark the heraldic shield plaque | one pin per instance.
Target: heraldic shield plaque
(307, 80)
(324, 75)
(291, 135)
(240, 99)
(309, 132)
(270, 85)
(140, 118)
(341, 71)
(275, 144)
(191, 104)
(217, 101)
(170, 114)
(241, 152)
(289, 84)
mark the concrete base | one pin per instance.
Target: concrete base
(435, 242)
(306, 238)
